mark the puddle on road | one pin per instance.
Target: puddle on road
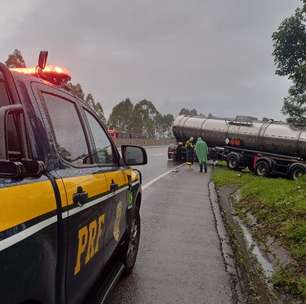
(254, 248)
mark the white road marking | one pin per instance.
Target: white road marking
(150, 183)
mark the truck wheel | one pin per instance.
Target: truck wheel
(297, 172)
(233, 161)
(262, 168)
(131, 250)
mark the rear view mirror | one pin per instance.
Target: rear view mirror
(134, 155)
(9, 169)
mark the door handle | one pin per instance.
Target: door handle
(114, 187)
(80, 197)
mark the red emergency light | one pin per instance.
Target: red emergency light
(52, 73)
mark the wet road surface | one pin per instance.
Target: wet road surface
(179, 259)
(157, 163)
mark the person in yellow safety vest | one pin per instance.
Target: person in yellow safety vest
(189, 151)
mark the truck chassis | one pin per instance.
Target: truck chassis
(261, 163)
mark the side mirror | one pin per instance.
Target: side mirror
(134, 155)
(22, 166)
(4, 113)
(9, 169)
(33, 168)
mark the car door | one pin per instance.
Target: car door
(117, 180)
(88, 192)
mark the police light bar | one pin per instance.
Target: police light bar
(52, 73)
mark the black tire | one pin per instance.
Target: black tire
(297, 172)
(262, 168)
(233, 161)
(130, 253)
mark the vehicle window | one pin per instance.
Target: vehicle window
(68, 131)
(4, 100)
(104, 152)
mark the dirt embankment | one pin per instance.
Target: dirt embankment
(256, 261)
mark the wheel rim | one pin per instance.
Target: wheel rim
(133, 242)
(232, 163)
(262, 170)
(298, 174)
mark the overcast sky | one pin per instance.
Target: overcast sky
(212, 55)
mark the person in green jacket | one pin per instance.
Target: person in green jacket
(202, 153)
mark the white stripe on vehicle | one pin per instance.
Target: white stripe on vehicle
(18, 237)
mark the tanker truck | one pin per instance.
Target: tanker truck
(265, 147)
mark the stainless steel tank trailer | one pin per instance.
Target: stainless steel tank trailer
(265, 147)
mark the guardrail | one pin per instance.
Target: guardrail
(144, 142)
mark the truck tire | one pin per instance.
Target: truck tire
(297, 172)
(130, 253)
(233, 161)
(262, 168)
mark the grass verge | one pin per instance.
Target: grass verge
(279, 206)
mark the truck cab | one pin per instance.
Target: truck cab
(69, 201)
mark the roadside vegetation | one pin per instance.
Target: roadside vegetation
(279, 207)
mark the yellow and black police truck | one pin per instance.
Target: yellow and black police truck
(69, 201)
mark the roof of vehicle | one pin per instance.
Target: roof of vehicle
(29, 78)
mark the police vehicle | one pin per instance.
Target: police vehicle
(69, 201)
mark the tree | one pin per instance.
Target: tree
(145, 119)
(89, 100)
(15, 60)
(165, 124)
(95, 106)
(100, 112)
(121, 116)
(76, 90)
(186, 111)
(142, 120)
(289, 53)
(193, 112)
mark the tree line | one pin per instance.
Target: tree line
(141, 118)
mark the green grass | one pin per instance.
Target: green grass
(279, 206)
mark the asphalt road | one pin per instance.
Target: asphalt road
(157, 163)
(179, 259)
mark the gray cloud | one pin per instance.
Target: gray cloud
(211, 55)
